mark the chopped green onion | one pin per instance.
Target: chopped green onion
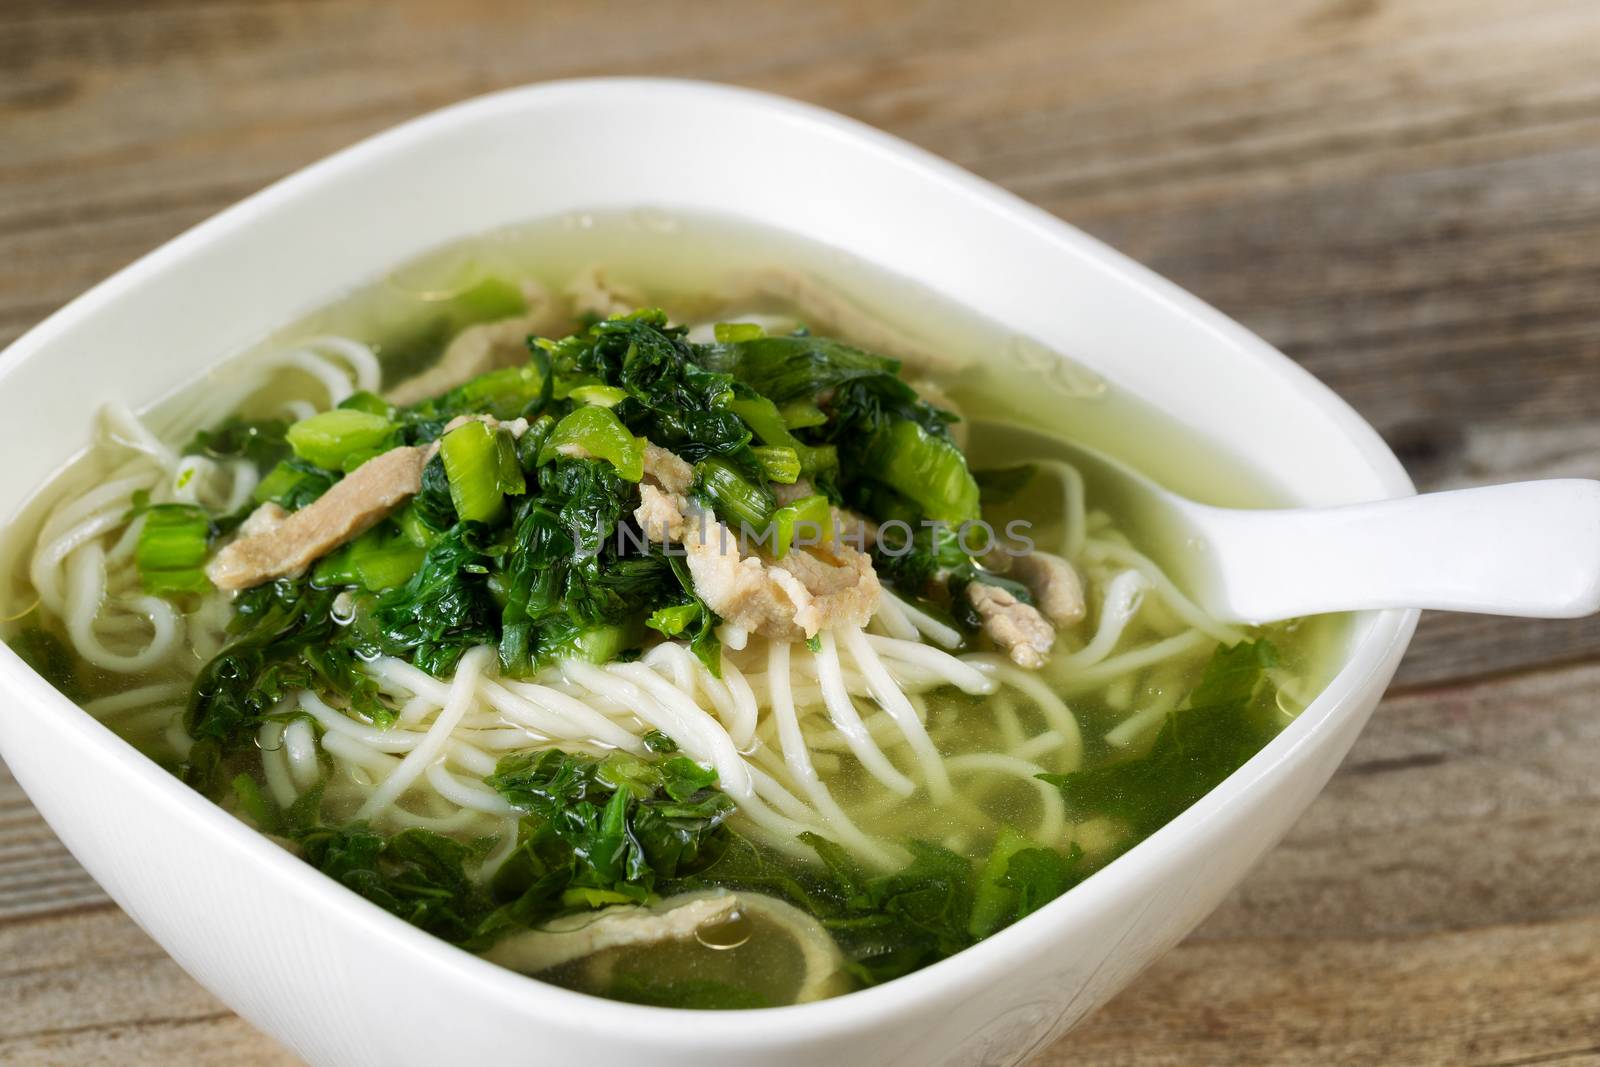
(736, 500)
(503, 393)
(728, 333)
(597, 432)
(605, 396)
(371, 403)
(171, 547)
(801, 414)
(597, 644)
(383, 561)
(779, 464)
(761, 415)
(414, 529)
(481, 466)
(810, 517)
(673, 620)
(328, 438)
(335, 569)
(819, 461)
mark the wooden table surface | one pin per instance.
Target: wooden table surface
(1403, 195)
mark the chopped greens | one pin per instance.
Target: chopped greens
(1228, 718)
(172, 548)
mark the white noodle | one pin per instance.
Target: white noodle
(847, 720)
(411, 768)
(798, 759)
(893, 700)
(930, 627)
(1120, 604)
(300, 749)
(274, 765)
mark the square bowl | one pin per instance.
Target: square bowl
(338, 980)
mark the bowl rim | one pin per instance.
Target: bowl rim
(1368, 657)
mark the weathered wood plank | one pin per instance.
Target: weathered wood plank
(37, 873)
(90, 987)
(1404, 195)
(1452, 998)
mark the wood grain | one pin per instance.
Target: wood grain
(1403, 195)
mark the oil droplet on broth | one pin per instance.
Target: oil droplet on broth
(725, 934)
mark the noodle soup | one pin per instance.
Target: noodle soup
(723, 628)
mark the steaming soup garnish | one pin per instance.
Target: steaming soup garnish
(678, 657)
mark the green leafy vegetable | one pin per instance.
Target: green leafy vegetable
(261, 441)
(419, 875)
(283, 639)
(1228, 720)
(619, 825)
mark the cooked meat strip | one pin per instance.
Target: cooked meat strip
(575, 936)
(592, 293)
(265, 519)
(1018, 628)
(1055, 585)
(485, 347)
(827, 312)
(666, 469)
(811, 589)
(356, 503)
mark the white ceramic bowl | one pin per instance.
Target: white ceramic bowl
(343, 983)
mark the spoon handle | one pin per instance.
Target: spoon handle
(1530, 549)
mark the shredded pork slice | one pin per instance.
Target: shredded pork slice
(592, 293)
(285, 544)
(813, 588)
(263, 520)
(485, 347)
(828, 313)
(1017, 628)
(574, 937)
(1055, 585)
(667, 470)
